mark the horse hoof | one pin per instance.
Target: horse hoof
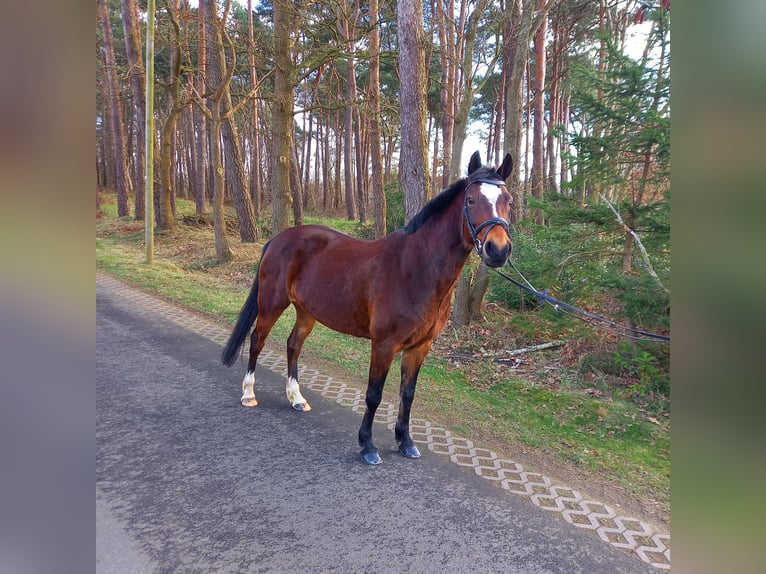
(251, 402)
(409, 451)
(371, 458)
(302, 407)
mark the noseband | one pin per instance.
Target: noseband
(492, 222)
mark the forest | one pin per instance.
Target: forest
(269, 114)
(287, 108)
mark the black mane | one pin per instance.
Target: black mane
(445, 199)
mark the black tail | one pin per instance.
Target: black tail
(245, 321)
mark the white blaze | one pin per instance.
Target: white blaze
(492, 193)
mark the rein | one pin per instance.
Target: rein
(492, 222)
(542, 296)
(588, 318)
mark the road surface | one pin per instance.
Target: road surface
(187, 480)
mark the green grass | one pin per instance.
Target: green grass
(610, 438)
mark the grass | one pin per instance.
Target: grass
(569, 424)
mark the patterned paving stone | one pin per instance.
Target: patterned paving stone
(628, 533)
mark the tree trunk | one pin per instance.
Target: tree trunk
(296, 186)
(413, 172)
(516, 53)
(235, 170)
(235, 163)
(378, 194)
(132, 33)
(200, 120)
(472, 285)
(460, 313)
(119, 157)
(215, 66)
(222, 250)
(282, 115)
(538, 107)
(554, 105)
(348, 164)
(176, 105)
(255, 148)
(306, 166)
(337, 189)
(469, 293)
(478, 290)
(444, 11)
(467, 88)
(349, 101)
(361, 188)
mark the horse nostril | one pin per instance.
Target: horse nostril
(494, 253)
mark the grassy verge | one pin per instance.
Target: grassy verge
(548, 418)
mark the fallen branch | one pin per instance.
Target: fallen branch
(530, 349)
(637, 239)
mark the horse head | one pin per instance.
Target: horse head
(487, 210)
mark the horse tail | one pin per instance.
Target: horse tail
(245, 321)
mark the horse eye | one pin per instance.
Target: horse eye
(470, 202)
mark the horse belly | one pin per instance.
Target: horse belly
(334, 299)
(340, 315)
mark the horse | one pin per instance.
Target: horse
(395, 291)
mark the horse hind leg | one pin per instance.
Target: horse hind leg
(304, 324)
(263, 326)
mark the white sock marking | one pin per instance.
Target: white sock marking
(294, 392)
(247, 386)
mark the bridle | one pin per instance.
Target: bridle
(491, 222)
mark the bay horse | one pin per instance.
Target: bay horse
(395, 291)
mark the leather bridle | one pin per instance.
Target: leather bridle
(490, 223)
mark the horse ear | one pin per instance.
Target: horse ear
(474, 163)
(506, 167)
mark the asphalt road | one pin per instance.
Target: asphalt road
(187, 480)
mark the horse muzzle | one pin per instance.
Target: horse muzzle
(495, 256)
(496, 247)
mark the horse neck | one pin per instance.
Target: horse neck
(440, 248)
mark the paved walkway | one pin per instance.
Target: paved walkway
(628, 533)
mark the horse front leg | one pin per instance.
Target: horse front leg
(412, 360)
(380, 363)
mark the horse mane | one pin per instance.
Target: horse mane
(445, 198)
